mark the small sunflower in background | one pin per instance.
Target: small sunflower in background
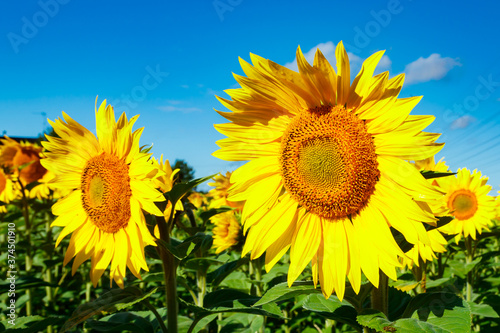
(164, 183)
(23, 158)
(469, 203)
(226, 232)
(220, 193)
(198, 200)
(327, 174)
(110, 183)
(7, 190)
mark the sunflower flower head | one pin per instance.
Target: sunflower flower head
(7, 190)
(469, 203)
(110, 183)
(226, 232)
(327, 176)
(164, 183)
(23, 158)
(426, 252)
(198, 200)
(220, 192)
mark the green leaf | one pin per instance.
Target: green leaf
(205, 216)
(433, 174)
(442, 220)
(120, 322)
(181, 250)
(30, 324)
(112, 301)
(145, 149)
(445, 311)
(405, 282)
(27, 282)
(483, 310)
(201, 263)
(217, 276)
(199, 324)
(373, 319)
(440, 282)
(331, 308)
(230, 300)
(181, 189)
(225, 298)
(318, 303)
(282, 292)
(461, 269)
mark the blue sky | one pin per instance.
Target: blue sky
(165, 60)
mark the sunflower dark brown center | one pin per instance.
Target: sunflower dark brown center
(106, 192)
(328, 162)
(463, 204)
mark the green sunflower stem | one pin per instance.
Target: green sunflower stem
(169, 271)
(28, 259)
(469, 256)
(380, 295)
(258, 263)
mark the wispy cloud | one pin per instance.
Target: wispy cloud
(172, 108)
(328, 50)
(176, 106)
(431, 68)
(462, 122)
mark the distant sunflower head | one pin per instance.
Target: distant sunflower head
(23, 158)
(327, 175)
(220, 192)
(164, 183)
(110, 183)
(8, 190)
(468, 202)
(226, 232)
(198, 199)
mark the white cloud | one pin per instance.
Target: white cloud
(174, 102)
(433, 67)
(175, 106)
(462, 122)
(172, 108)
(384, 64)
(185, 86)
(328, 50)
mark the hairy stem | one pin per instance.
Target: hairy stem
(169, 270)
(380, 295)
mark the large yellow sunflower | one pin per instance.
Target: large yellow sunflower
(468, 201)
(111, 183)
(327, 175)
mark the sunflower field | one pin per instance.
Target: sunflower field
(341, 219)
